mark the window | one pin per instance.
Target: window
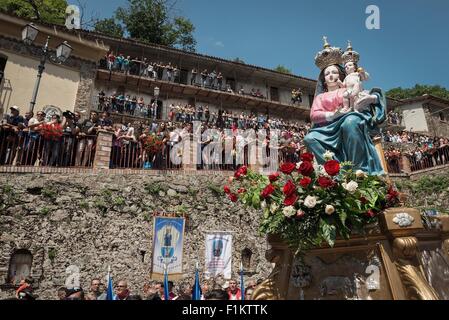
(246, 258)
(183, 76)
(3, 60)
(274, 94)
(231, 83)
(19, 266)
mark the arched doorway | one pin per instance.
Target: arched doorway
(19, 266)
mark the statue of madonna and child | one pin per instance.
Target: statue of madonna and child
(343, 115)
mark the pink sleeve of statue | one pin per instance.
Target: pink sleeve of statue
(318, 114)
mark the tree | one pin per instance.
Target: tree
(417, 91)
(281, 68)
(151, 21)
(109, 27)
(238, 60)
(50, 11)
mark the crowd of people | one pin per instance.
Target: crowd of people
(211, 79)
(151, 290)
(394, 117)
(50, 141)
(422, 151)
(69, 141)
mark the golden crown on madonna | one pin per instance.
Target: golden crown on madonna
(350, 55)
(328, 56)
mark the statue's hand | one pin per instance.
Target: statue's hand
(364, 102)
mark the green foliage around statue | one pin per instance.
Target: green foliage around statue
(308, 205)
(49, 11)
(417, 91)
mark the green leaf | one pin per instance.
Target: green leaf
(343, 216)
(328, 231)
(256, 200)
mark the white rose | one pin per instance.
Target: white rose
(289, 211)
(328, 155)
(360, 174)
(310, 202)
(273, 207)
(351, 186)
(329, 209)
(298, 164)
(263, 204)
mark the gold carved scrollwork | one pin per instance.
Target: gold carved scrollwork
(268, 289)
(445, 247)
(416, 285)
(412, 277)
(405, 247)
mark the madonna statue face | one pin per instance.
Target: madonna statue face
(330, 77)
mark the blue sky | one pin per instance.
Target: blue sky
(412, 45)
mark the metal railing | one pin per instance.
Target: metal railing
(30, 148)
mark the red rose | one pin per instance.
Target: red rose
(273, 177)
(288, 167)
(243, 170)
(307, 157)
(363, 200)
(325, 182)
(290, 200)
(267, 191)
(289, 188)
(227, 190)
(306, 168)
(241, 190)
(233, 197)
(393, 193)
(304, 182)
(370, 213)
(332, 167)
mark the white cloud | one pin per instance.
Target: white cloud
(219, 44)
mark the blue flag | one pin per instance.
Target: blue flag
(196, 295)
(166, 293)
(110, 291)
(242, 285)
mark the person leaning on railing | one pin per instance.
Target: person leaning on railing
(86, 140)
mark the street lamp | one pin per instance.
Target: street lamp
(63, 51)
(156, 96)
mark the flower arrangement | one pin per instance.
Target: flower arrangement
(152, 145)
(308, 204)
(51, 131)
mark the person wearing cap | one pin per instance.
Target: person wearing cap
(14, 119)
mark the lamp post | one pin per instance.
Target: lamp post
(63, 51)
(156, 96)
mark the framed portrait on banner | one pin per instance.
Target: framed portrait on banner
(218, 255)
(168, 245)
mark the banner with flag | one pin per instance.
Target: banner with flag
(168, 240)
(218, 255)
